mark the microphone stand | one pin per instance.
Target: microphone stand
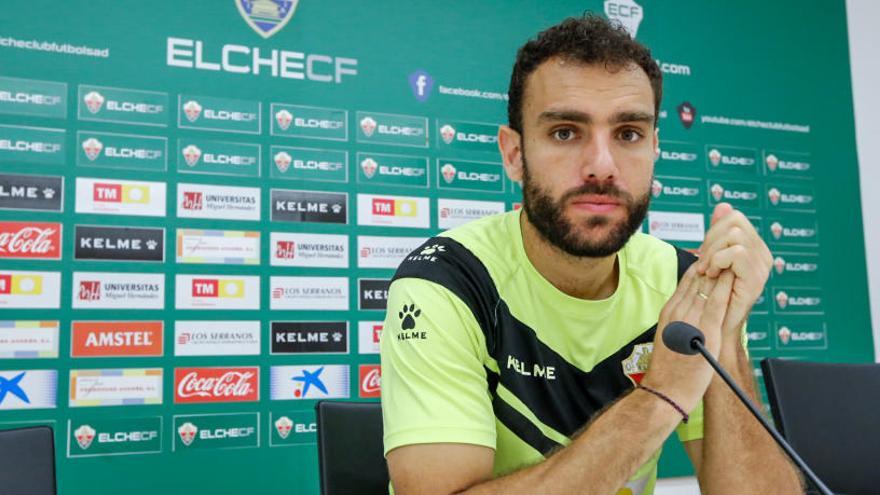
(697, 344)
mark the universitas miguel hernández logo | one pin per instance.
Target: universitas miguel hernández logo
(266, 17)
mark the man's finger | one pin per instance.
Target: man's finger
(702, 288)
(671, 309)
(736, 258)
(720, 211)
(716, 306)
(732, 235)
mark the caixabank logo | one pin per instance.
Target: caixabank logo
(28, 389)
(328, 381)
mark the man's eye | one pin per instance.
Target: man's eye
(630, 135)
(563, 134)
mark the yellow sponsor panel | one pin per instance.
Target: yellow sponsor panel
(405, 208)
(27, 285)
(232, 288)
(135, 194)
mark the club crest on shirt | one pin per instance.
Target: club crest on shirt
(636, 364)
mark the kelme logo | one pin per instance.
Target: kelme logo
(266, 17)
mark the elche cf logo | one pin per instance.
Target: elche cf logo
(92, 148)
(187, 432)
(369, 167)
(284, 118)
(191, 155)
(776, 230)
(784, 335)
(282, 161)
(717, 192)
(779, 264)
(368, 125)
(447, 133)
(283, 426)
(84, 436)
(782, 299)
(192, 110)
(774, 195)
(772, 162)
(266, 17)
(94, 101)
(656, 188)
(448, 172)
(715, 157)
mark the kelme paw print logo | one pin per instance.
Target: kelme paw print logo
(408, 316)
(433, 249)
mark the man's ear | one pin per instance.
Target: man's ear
(510, 146)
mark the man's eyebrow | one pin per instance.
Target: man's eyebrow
(626, 117)
(585, 118)
(565, 115)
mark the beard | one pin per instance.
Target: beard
(549, 219)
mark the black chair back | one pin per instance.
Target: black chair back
(830, 413)
(27, 461)
(350, 455)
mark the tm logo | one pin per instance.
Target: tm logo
(421, 84)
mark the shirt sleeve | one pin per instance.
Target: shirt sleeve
(434, 386)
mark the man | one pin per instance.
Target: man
(516, 348)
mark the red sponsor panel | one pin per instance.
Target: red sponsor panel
(116, 338)
(5, 283)
(205, 287)
(107, 193)
(285, 250)
(370, 379)
(192, 200)
(200, 385)
(90, 290)
(377, 333)
(32, 240)
(383, 207)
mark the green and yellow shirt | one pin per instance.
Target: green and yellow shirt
(479, 348)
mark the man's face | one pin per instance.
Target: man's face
(587, 154)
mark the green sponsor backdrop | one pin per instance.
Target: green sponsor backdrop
(763, 87)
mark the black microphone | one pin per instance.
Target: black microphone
(685, 338)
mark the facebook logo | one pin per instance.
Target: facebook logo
(421, 83)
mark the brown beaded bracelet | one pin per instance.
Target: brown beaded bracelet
(668, 401)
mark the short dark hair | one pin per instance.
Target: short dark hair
(589, 39)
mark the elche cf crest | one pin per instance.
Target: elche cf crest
(94, 101)
(369, 167)
(636, 364)
(715, 157)
(656, 188)
(368, 125)
(84, 436)
(284, 118)
(448, 172)
(447, 132)
(282, 161)
(191, 155)
(192, 110)
(92, 148)
(774, 195)
(266, 17)
(772, 162)
(283, 426)
(187, 432)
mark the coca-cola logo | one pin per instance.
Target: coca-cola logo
(193, 385)
(371, 381)
(33, 240)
